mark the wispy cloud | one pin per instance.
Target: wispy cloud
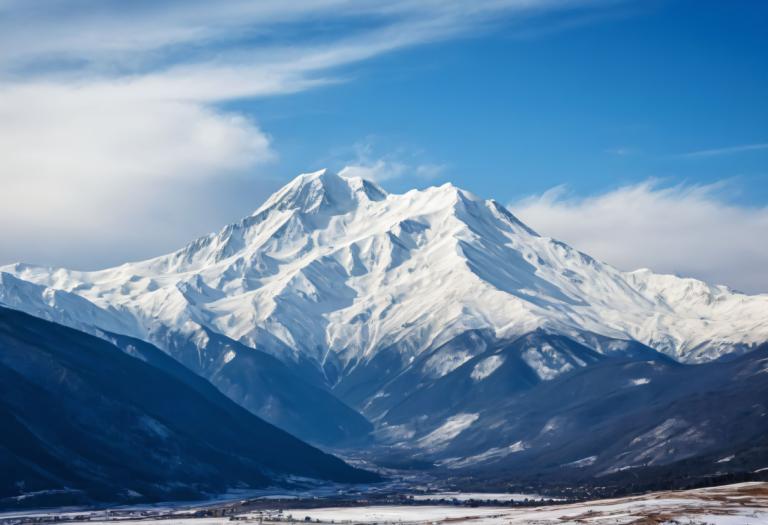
(731, 150)
(382, 169)
(689, 230)
(622, 151)
(124, 38)
(367, 164)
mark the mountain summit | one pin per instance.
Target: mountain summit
(323, 191)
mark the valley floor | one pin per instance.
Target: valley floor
(739, 504)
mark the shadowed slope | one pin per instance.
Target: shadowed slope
(80, 415)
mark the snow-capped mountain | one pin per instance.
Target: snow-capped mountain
(352, 287)
(334, 269)
(617, 420)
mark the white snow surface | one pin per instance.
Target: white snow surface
(488, 455)
(445, 433)
(547, 362)
(740, 504)
(481, 496)
(335, 269)
(486, 367)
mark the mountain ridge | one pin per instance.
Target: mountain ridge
(245, 255)
(335, 275)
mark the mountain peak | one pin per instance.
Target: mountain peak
(323, 190)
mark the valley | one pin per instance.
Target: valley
(738, 504)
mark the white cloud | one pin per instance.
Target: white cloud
(384, 169)
(88, 132)
(394, 165)
(93, 166)
(378, 170)
(687, 230)
(125, 33)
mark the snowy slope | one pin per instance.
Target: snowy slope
(615, 418)
(332, 272)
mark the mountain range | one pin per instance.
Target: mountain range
(433, 322)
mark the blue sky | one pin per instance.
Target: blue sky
(130, 128)
(614, 99)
